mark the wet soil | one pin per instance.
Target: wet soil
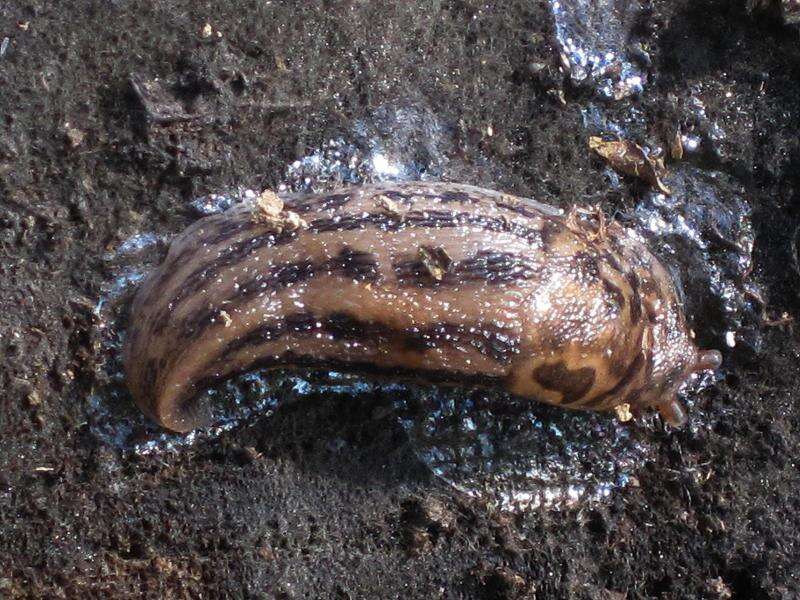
(325, 499)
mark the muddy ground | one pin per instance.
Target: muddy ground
(270, 509)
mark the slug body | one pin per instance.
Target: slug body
(441, 281)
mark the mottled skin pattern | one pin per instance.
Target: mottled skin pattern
(563, 309)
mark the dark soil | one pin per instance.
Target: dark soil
(270, 510)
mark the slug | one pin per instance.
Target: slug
(436, 281)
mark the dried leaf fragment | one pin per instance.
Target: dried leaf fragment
(292, 221)
(388, 205)
(629, 158)
(435, 260)
(268, 209)
(269, 204)
(676, 146)
(73, 136)
(558, 95)
(623, 412)
(590, 222)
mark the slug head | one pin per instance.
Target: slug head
(673, 357)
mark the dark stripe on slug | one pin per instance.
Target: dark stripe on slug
(617, 365)
(613, 290)
(518, 208)
(572, 383)
(456, 197)
(446, 197)
(217, 233)
(205, 273)
(195, 281)
(612, 260)
(327, 202)
(636, 299)
(434, 219)
(440, 219)
(349, 263)
(214, 233)
(496, 343)
(633, 397)
(489, 266)
(407, 198)
(227, 229)
(149, 375)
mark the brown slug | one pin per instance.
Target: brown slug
(439, 281)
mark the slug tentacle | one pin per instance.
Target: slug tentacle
(673, 412)
(445, 281)
(708, 360)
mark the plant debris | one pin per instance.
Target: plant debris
(676, 146)
(436, 261)
(629, 158)
(268, 209)
(73, 136)
(388, 205)
(623, 412)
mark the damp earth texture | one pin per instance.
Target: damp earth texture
(123, 123)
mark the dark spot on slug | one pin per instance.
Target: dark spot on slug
(353, 264)
(572, 383)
